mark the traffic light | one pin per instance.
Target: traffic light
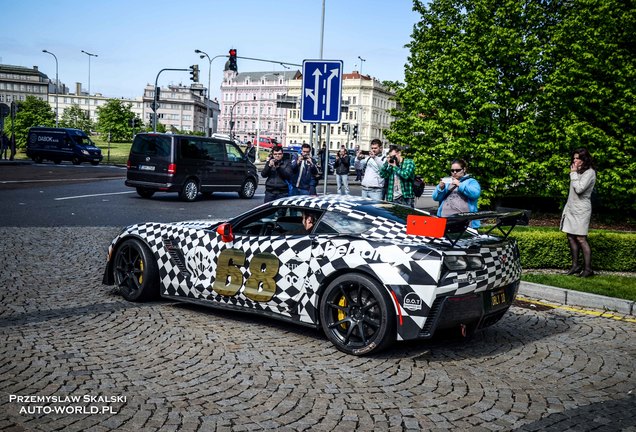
(194, 73)
(157, 92)
(233, 66)
(355, 131)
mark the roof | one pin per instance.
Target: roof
(256, 76)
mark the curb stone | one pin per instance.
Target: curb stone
(576, 298)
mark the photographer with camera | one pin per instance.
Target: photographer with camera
(372, 182)
(399, 172)
(304, 172)
(277, 172)
(341, 166)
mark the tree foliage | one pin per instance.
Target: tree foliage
(115, 118)
(31, 112)
(77, 118)
(513, 87)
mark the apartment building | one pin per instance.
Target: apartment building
(248, 104)
(181, 107)
(17, 82)
(365, 104)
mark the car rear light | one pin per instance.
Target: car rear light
(128, 164)
(172, 168)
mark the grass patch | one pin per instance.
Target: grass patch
(118, 151)
(610, 285)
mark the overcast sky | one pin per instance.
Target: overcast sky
(134, 40)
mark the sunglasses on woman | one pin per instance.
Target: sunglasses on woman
(457, 170)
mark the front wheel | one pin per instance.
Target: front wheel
(248, 189)
(355, 315)
(94, 163)
(189, 191)
(135, 271)
(76, 161)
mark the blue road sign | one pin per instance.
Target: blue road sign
(321, 91)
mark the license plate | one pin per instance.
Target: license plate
(146, 168)
(497, 298)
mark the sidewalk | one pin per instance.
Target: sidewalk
(576, 298)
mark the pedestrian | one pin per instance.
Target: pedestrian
(577, 212)
(357, 163)
(278, 173)
(399, 173)
(323, 157)
(250, 151)
(372, 182)
(304, 173)
(341, 166)
(4, 145)
(460, 195)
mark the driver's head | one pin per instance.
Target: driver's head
(309, 220)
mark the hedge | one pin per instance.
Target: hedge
(611, 251)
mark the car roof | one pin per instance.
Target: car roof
(325, 202)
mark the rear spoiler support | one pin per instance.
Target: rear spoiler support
(459, 222)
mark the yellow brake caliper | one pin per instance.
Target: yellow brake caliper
(341, 315)
(141, 267)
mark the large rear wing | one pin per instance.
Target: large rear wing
(453, 227)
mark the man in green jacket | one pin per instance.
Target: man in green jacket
(399, 173)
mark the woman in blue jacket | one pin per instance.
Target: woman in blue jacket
(460, 195)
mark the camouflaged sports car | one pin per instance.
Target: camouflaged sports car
(367, 272)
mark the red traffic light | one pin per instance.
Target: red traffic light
(233, 52)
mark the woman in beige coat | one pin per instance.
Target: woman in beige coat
(578, 211)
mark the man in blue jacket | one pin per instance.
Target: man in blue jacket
(304, 172)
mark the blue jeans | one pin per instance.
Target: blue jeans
(342, 180)
(373, 193)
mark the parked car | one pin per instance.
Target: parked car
(367, 272)
(188, 164)
(61, 144)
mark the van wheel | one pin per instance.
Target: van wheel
(189, 191)
(57, 161)
(248, 189)
(145, 193)
(95, 163)
(37, 159)
(76, 161)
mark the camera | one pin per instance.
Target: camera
(305, 157)
(392, 159)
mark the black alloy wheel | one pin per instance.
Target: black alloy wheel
(356, 315)
(135, 271)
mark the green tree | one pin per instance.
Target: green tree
(493, 82)
(77, 118)
(31, 112)
(115, 118)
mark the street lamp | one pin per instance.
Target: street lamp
(207, 105)
(361, 61)
(88, 101)
(57, 83)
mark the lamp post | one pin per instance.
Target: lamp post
(57, 83)
(361, 61)
(203, 54)
(359, 138)
(258, 117)
(88, 101)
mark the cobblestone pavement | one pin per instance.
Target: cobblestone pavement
(172, 366)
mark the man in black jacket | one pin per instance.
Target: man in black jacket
(278, 173)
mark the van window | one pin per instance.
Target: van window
(201, 149)
(213, 150)
(151, 145)
(233, 153)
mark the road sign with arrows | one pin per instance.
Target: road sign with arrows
(321, 91)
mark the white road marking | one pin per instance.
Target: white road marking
(92, 195)
(58, 180)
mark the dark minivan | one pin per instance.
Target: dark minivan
(188, 164)
(60, 144)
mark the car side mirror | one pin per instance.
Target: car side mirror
(225, 231)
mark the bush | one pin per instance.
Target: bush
(611, 251)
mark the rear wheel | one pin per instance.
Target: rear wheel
(95, 163)
(76, 161)
(145, 193)
(355, 315)
(37, 159)
(248, 189)
(189, 191)
(135, 271)
(57, 161)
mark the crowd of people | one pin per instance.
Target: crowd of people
(389, 175)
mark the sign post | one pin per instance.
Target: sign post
(320, 98)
